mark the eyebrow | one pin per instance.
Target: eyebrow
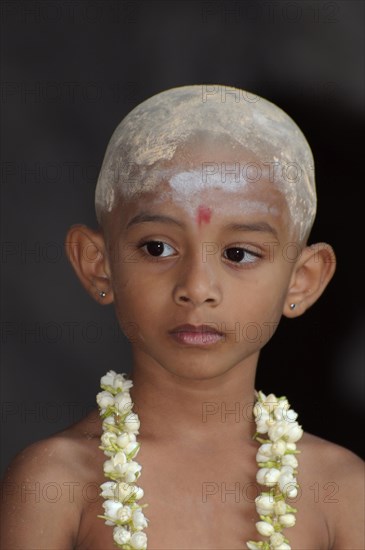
(262, 227)
(142, 217)
(146, 217)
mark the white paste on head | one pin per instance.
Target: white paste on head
(193, 181)
(185, 189)
(143, 148)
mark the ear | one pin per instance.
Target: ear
(313, 271)
(86, 252)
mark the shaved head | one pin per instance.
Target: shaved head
(158, 140)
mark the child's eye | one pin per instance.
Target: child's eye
(236, 254)
(240, 255)
(154, 247)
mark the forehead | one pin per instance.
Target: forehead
(215, 172)
(211, 154)
(207, 162)
(203, 145)
(209, 205)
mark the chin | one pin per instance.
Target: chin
(197, 369)
(195, 363)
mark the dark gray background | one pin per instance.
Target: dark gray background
(70, 72)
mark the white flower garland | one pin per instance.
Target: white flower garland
(120, 427)
(277, 469)
(275, 457)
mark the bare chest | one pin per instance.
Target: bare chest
(195, 503)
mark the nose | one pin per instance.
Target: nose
(198, 282)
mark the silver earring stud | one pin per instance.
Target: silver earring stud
(292, 306)
(102, 294)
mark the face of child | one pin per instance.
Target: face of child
(192, 266)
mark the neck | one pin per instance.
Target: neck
(174, 408)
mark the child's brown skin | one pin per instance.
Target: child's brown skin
(190, 464)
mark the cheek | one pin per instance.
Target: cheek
(130, 308)
(261, 300)
(260, 306)
(272, 302)
(137, 303)
(260, 317)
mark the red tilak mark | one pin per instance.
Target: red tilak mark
(204, 214)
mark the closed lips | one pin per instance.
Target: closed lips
(197, 329)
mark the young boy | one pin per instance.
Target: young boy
(205, 201)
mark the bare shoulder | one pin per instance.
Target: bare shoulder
(64, 454)
(335, 455)
(337, 475)
(46, 480)
(328, 459)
